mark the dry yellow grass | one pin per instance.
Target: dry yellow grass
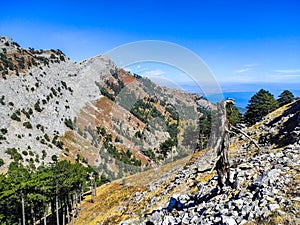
(113, 203)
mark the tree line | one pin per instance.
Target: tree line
(260, 104)
(263, 102)
(56, 190)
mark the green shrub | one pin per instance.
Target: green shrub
(16, 44)
(69, 123)
(27, 114)
(59, 144)
(138, 134)
(173, 112)
(52, 56)
(4, 130)
(2, 137)
(14, 116)
(37, 106)
(64, 84)
(149, 153)
(166, 146)
(107, 94)
(13, 154)
(103, 180)
(1, 162)
(44, 154)
(25, 152)
(27, 125)
(54, 158)
(54, 91)
(47, 137)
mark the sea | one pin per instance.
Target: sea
(242, 98)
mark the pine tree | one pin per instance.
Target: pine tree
(260, 104)
(285, 97)
(233, 113)
(205, 126)
(25, 194)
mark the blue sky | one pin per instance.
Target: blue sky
(246, 44)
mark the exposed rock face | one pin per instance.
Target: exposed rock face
(89, 111)
(44, 97)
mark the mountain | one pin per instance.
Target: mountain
(265, 191)
(91, 111)
(99, 115)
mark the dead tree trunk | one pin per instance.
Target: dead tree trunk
(222, 146)
(220, 136)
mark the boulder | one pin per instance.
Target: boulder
(226, 220)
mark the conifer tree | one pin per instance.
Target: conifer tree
(285, 97)
(260, 104)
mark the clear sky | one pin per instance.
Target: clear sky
(247, 44)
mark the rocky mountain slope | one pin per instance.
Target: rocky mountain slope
(265, 191)
(92, 111)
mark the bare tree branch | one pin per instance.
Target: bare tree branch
(247, 136)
